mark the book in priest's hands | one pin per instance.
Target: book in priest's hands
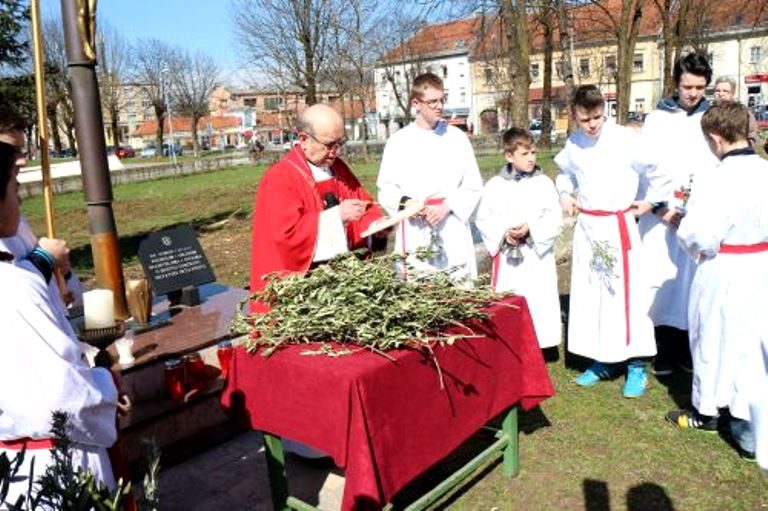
(412, 208)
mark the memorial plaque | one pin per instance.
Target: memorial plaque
(173, 259)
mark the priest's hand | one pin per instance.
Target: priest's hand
(671, 217)
(435, 214)
(568, 205)
(58, 250)
(352, 210)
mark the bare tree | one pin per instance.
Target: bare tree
(151, 67)
(515, 16)
(193, 79)
(546, 18)
(58, 99)
(623, 27)
(286, 39)
(111, 73)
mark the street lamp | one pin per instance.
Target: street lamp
(172, 145)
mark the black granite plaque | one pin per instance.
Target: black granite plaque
(173, 259)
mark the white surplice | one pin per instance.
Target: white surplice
(758, 416)
(675, 150)
(508, 203)
(604, 173)
(729, 293)
(439, 164)
(42, 370)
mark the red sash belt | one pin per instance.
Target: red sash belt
(29, 444)
(744, 249)
(626, 245)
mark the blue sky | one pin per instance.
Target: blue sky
(190, 24)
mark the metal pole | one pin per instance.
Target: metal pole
(79, 17)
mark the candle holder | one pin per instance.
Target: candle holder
(101, 338)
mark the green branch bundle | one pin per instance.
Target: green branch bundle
(362, 304)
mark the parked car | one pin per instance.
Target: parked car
(535, 128)
(148, 151)
(125, 151)
(176, 149)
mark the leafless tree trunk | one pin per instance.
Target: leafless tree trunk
(56, 82)
(111, 73)
(546, 20)
(286, 39)
(515, 16)
(566, 48)
(624, 30)
(193, 79)
(151, 72)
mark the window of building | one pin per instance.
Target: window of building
(559, 68)
(535, 71)
(640, 105)
(273, 103)
(445, 71)
(488, 74)
(249, 102)
(462, 97)
(584, 67)
(609, 64)
(637, 63)
(755, 54)
(711, 58)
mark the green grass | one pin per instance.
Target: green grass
(585, 448)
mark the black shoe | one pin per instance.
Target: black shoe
(662, 367)
(691, 419)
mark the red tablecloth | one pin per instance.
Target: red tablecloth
(387, 422)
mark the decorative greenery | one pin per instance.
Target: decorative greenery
(61, 486)
(603, 260)
(362, 304)
(150, 500)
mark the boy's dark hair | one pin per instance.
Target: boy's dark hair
(11, 120)
(514, 138)
(7, 167)
(729, 119)
(424, 81)
(695, 63)
(587, 97)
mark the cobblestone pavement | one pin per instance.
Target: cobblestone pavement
(232, 476)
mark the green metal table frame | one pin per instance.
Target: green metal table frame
(506, 445)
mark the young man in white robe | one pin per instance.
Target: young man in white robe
(608, 319)
(675, 151)
(725, 231)
(519, 218)
(42, 368)
(432, 162)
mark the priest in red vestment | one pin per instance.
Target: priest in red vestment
(309, 206)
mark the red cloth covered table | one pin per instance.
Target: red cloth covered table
(387, 422)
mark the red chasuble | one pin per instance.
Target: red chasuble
(286, 217)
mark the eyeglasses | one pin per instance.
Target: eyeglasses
(433, 103)
(329, 146)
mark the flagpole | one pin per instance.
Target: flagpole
(42, 125)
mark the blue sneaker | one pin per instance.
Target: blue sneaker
(596, 372)
(637, 381)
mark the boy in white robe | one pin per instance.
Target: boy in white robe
(519, 218)
(432, 162)
(608, 319)
(42, 368)
(675, 151)
(726, 232)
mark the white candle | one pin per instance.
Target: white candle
(99, 308)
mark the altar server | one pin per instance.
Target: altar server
(726, 232)
(519, 218)
(430, 161)
(42, 368)
(759, 409)
(608, 319)
(675, 151)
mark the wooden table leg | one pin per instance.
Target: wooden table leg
(511, 462)
(278, 480)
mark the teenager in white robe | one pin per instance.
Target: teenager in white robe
(675, 151)
(608, 316)
(726, 232)
(42, 368)
(433, 162)
(520, 207)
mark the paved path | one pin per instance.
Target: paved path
(233, 476)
